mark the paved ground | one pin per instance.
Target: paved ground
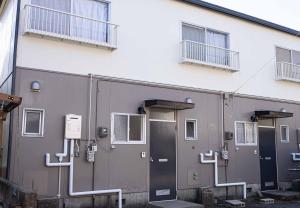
(277, 205)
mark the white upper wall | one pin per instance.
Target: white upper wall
(7, 20)
(148, 49)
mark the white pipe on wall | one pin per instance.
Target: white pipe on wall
(71, 193)
(59, 164)
(71, 177)
(90, 108)
(217, 184)
(65, 153)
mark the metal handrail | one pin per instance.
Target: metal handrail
(67, 13)
(207, 54)
(205, 44)
(288, 63)
(59, 24)
(287, 71)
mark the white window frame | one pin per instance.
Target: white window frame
(182, 23)
(287, 134)
(41, 124)
(195, 129)
(256, 133)
(288, 49)
(143, 134)
(108, 2)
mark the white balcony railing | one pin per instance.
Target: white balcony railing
(204, 54)
(49, 22)
(288, 71)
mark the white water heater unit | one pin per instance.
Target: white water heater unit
(73, 126)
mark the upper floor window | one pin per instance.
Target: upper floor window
(204, 35)
(207, 46)
(288, 64)
(245, 133)
(80, 20)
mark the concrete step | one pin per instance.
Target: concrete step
(174, 204)
(282, 195)
(267, 201)
(235, 203)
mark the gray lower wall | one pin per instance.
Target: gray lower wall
(123, 167)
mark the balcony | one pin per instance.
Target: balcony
(53, 23)
(208, 55)
(287, 71)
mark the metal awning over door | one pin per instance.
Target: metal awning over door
(268, 114)
(167, 104)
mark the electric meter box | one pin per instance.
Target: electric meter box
(73, 126)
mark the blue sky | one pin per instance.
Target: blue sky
(283, 12)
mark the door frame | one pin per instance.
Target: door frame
(276, 151)
(176, 152)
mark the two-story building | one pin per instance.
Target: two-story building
(122, 97)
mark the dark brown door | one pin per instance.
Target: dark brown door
(268, 163)
(162, 160)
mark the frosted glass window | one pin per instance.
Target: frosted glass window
(296, 57)
(128, 128)
(284, 131)
(240, 133)
(33, 122)
(135, 128)
(245, 133)
(190, 129)
(193, 33)
(283, 55)
(120, 127)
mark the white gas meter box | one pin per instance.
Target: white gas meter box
(73, 126)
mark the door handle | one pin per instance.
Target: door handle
(151, 159)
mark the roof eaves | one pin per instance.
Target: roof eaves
(243, 16)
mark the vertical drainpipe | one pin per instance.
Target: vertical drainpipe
(96, 123)
(224, 143)
(13, 86)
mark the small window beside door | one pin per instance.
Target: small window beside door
(128, 128)
(191, 129)
(33, 122)
(285, 133)
(245, 133)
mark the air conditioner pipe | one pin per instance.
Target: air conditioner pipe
(217, 184)
(71, 177)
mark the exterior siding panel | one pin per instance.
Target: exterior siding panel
(122, 166)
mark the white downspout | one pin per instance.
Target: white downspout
(71, 177)
(215, 162)
(90, 109)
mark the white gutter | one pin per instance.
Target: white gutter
(71, 176)
(217, 184)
